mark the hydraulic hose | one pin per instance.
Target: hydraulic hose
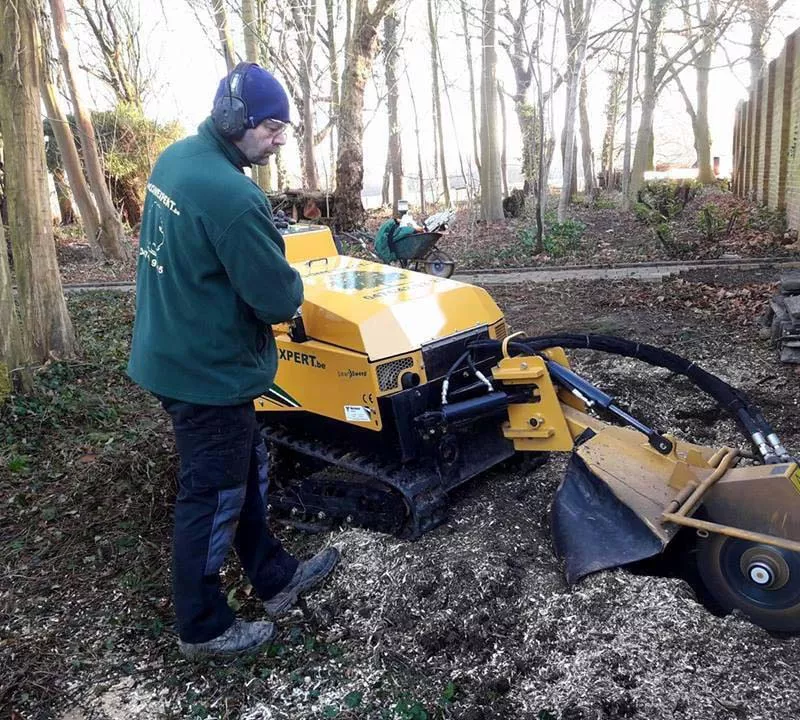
(734, 401)
(446, 384)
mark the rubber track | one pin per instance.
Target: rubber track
(415, 506)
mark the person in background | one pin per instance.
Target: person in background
(211, 279)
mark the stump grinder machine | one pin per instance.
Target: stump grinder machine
(395, 387)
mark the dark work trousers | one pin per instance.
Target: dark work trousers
(222, 490)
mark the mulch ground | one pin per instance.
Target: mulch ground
(611, 236)
(474, 621)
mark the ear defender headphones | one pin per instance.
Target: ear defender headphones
(230, 110)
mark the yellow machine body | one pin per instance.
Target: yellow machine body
(367, 324)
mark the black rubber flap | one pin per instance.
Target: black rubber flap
(592, 530)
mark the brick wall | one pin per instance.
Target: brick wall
(777, 191)
(764, 133)
(766, 138)
(768, 131)
(793, 140)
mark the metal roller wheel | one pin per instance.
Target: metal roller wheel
(762, 581)
(439, 264)
(287, 466)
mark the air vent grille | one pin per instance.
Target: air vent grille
(389, 372)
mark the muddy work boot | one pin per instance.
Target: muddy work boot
(241, 638)
(308, 575)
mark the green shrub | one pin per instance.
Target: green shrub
(647, 215)
(714, 220)
(527, 238)
(604, 203)
(659, 204)
(130, 144)
(668, 197)
(663, 231)
(561, 238)
(767, 220)
(710, 221)
(723, 184)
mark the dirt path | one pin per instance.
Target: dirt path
(627, 271)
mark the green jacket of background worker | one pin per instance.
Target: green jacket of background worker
(212, 278)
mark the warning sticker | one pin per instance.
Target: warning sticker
(357, 413)
(796, 478)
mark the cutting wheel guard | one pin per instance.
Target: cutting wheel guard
(592, 530)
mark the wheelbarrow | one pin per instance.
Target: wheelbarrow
(417, 251)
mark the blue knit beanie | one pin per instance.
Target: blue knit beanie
(263, 95)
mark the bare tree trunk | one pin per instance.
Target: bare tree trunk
(519, 54)
(225, 39)
(545, 144)
(527, 119)
(111, 237)
(462, 168)
(707, 31)
(587, 159)
(41, 298)
(280, 171)
(471, 75)
(348, 35)
(569, 179)
(90, 218)
(626, 161)
(350, 158)
(14, 353)
(419, 147)
(394, 161)
(491, 197)
(759, 13)
(437, 101)
(387, 178)
(699, 116)
(358, 66)
(644, 138)
(252, 41)
(501, 99)
(262, 28)
(304, 22)
(333, 62)
(252, 50)
(612, 117)
(705, 171)
(577, 17)
(573, 180)
(309, 169)
(64, 197)
(542, 168)
(547, 152)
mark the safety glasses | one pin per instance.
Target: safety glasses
(277, 127)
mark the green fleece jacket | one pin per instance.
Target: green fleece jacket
(211, 278)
